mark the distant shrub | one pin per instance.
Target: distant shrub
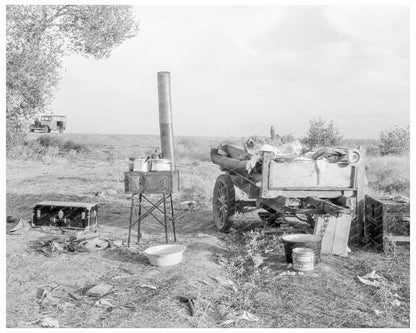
(321, 134)
(46, 148)
(71, 145)
(192, 149)
(32, 151)
(61, 144)
(395, 140)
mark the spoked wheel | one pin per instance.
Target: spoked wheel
(223, 202)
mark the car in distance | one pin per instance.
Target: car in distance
(46, 124)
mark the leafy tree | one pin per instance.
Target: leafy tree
(396, 140)
(39, 36)
(321, 134)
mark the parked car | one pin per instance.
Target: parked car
(46, 124)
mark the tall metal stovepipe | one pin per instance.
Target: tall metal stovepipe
(165, 116)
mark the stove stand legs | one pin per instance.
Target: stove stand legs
(145, 212)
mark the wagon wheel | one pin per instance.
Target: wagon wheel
(223, 205)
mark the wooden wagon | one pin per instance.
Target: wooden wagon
(307, 187)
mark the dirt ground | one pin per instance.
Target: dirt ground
(331, 296)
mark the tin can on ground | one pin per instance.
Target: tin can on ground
(303, 259)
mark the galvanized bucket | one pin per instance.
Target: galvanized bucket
(312, 242)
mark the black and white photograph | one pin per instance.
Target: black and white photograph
(240, 165)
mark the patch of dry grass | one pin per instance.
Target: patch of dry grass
(331, 296)
(389, 174)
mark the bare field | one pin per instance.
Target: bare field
(330, 297)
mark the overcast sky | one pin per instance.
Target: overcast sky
(237, 70)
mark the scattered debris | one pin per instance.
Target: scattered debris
(104, 303)
(289, 266)
(96, 244)
(22, 225)
(225, 282)
(74, 296)
(237, 316)
(401, 198)
(289, 273)
(203, 282)
(221, 260)
(41, 294)
(112, 192)
(190, 303)
(378, 312)
(99, 290)
(51, 245)
(48, 322)
(186, 205)
(79, 242)
(148, 286)
(267, 250)
(202, 235)
(144, 236)
(372, 279)
(265, 269)
(117, 243)
(396, 302)
(258, 260)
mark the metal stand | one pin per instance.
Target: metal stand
(154, 207)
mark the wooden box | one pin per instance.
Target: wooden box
(65, 214)
(310, 174)
(152, 182)
(303, 178)
(386, 219)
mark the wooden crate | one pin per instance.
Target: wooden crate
(153, 182)
(386, 219)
